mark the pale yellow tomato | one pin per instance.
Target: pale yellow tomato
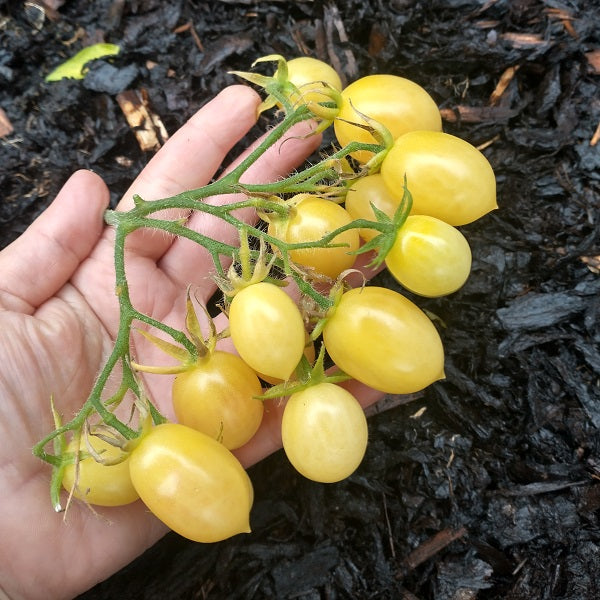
(218, 397)
(98, 483)
(447, 177)
(384, 340)
(429, 256)
(401, 105)
(192, 483)
(324, 432)
(365, 191)
(308, 74)
(267, 329)
(311, 218)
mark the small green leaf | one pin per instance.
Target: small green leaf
(73, 68)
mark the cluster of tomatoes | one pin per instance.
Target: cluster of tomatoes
(186, 472)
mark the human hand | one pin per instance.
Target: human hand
(58, 321)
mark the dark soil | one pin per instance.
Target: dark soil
(488, 484)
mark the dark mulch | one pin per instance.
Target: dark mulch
(487, 485)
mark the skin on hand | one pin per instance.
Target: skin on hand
(58, 319)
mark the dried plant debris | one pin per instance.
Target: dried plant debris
(484, 486)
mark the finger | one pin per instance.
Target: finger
(190, 158)
(38, 263)
(186, 261)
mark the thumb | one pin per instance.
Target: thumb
(38, 263)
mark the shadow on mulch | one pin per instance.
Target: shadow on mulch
(486, 485)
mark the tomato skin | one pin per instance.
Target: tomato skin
(429, 256)
(309, 353)
(192, 483)
(312, 217)
(97, 483)
(217, 397)
(365, 191)
(324, 432)
(267, 329)
(306, 72)
(401, 105)
(448, 177)
(383, 340)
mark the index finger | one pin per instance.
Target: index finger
(190, 158)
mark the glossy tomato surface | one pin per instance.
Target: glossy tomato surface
(324, 432)
(311, 218)
(192, 483)
(98, 483)
(429, 256)
(267, 329)
(448, 177)
(217, 397)
(308, 74)
(365, 191)
(384, 340)
(401, 105)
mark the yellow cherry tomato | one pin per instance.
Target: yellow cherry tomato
(308, 74)
(401, 105)
(309, 353)
(448, 177)
(324, 432)
(98, 483)
(267, 329)
(429, 257)
(365, 191)
(192, 483)
(312, 217)
(218, 397)
(384, 340)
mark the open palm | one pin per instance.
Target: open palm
(58, 318)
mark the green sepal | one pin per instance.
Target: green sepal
(59, 444)
(306, 377)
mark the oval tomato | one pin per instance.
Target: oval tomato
(324, 432)
(311, 218)
(192, 483)
(267, 329)
(448, 177)
(383, 340)
(308, 74)
(309, 353)
(429, 256)
(365, 191)
(98, 483)
(401, 105)
(218, 398)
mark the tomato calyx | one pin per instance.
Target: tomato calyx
(382, 135)
(306, 376)
(247, 268)
(282, 92)
(388, 226)
(203, 345)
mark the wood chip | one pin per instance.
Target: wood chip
(502, 85)
(147, 126)
(476, 114)
(524, 40)
(189, 26)
(592, 262)
(6, 127)
(593, 59)
(596, 137)
(565, 18)
(332, 19)
(431, 547)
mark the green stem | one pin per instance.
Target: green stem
(321, 176)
